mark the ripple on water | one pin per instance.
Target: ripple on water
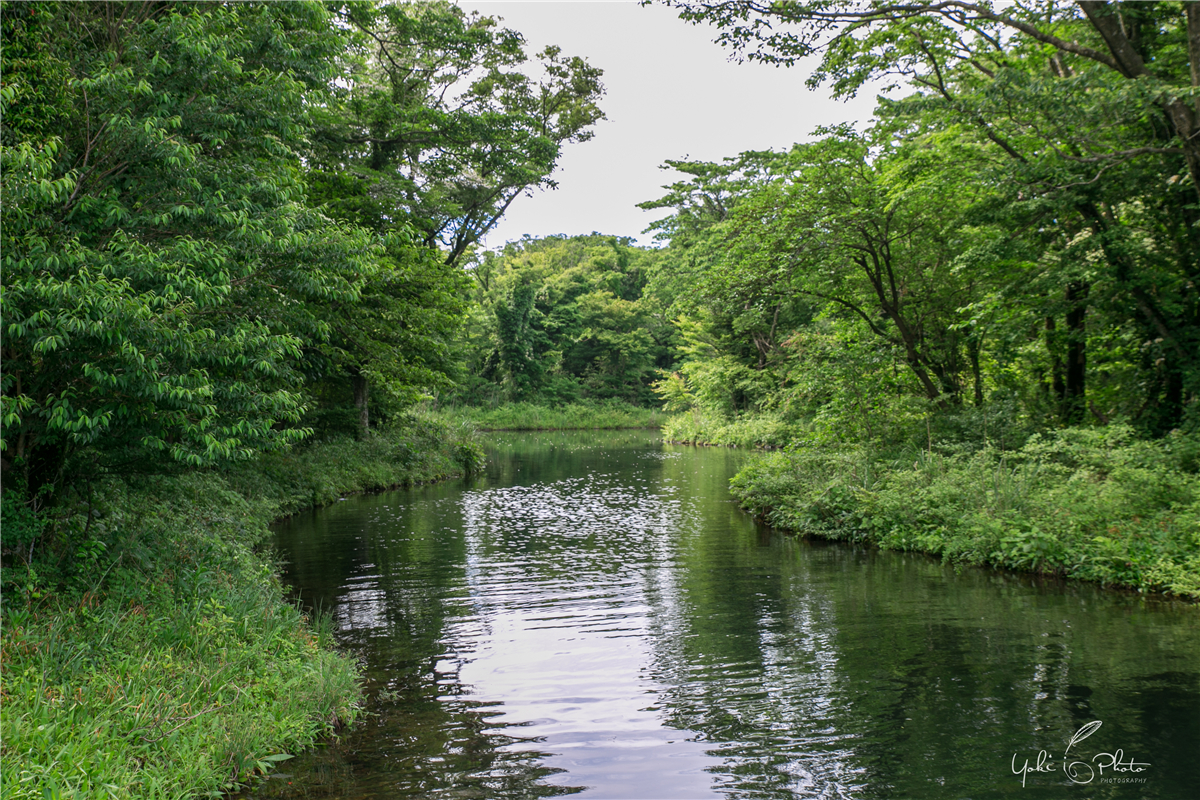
(606, 622)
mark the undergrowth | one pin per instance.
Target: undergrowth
(758, 430)
(606, 415)
(148, 647)
(1094, 504)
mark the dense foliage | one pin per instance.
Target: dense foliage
(1020, 231)
(229, 225)
(157, 249)
(562, 319)
(972, 323)
(230, 249)
(172, 664)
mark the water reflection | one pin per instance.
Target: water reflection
(595, 616)
(558, 576)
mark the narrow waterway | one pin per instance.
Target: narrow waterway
(595, 616)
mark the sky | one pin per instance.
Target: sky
(671, 93)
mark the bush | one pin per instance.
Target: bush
(750, 430)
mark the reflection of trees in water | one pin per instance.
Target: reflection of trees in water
(809, 669)
(425, 737)
(392, 569)
(414, 744)
(726, 651)
(823, 670)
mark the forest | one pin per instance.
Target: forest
(243, 275)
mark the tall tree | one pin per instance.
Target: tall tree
(438, 123)
(444, 122)
(160, 265)
(861, 235)
(1088, 113)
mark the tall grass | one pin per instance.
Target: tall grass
(756, 430)
(573, 416)
(157, 657)
(1097, 505)
(178, 696)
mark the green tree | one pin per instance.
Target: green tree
(567, 317)
(731, 326)
(393, 343)
(1086, 117)
(854, 236)
(440, 123)
(160, 265)
(434, 129)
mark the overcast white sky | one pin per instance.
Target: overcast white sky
(671, 94)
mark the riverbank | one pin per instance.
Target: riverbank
(1091, 504)
(573, 416)
(763, 431)
(149, 649)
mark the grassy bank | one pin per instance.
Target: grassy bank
(574, 416)
(759, 430)
(1092, 504)
(148, 647)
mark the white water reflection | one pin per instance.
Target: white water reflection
(563, 641)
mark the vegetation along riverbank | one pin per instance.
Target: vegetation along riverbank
(225, 286)
(972, 324)
(572, 416)
(1098, 505)
(149, 648)
(241, 249)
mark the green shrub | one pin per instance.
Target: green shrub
(750, 430)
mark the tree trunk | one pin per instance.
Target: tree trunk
(1074, 402)
(947, 375)
(973, 348)
(1057, 384)
(912, 353)
(917, 366)
(1182, 116)
(362, 391)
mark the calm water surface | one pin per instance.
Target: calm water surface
(595, 616)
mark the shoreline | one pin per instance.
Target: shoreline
(164, 658)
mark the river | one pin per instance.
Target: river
(595, 616)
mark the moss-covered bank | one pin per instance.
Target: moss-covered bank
(148, 646)
(1093, 504)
